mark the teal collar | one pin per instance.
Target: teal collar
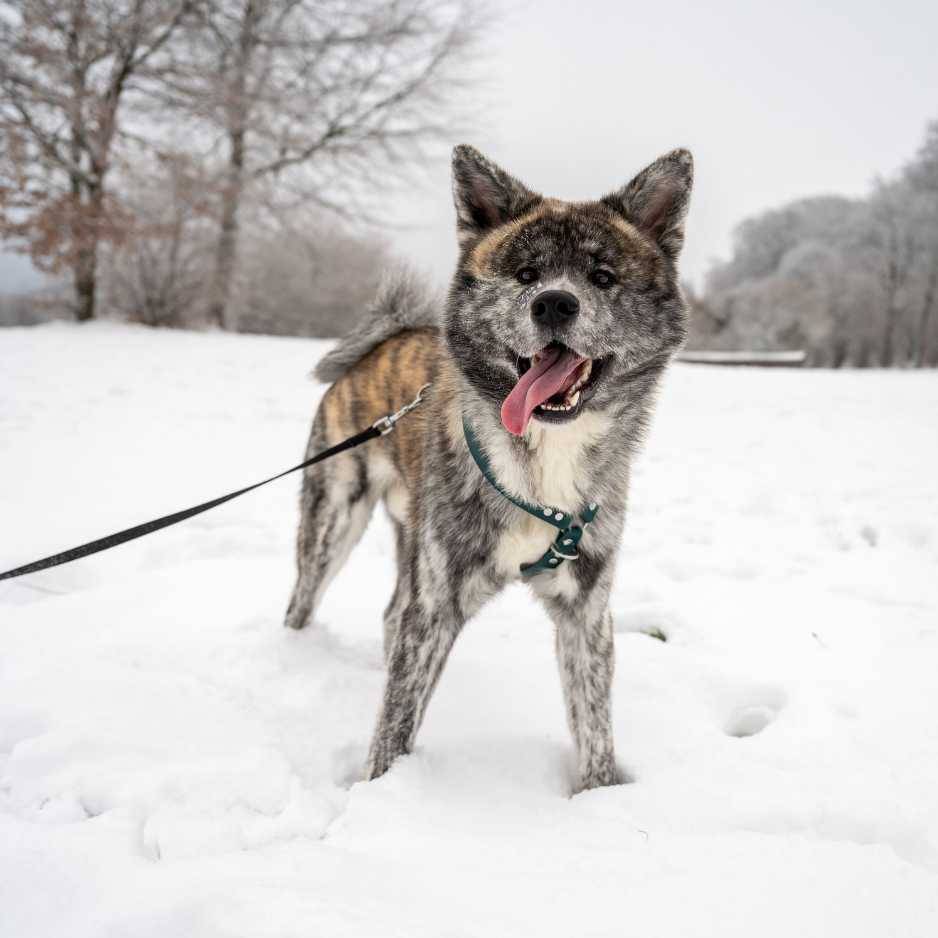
(569, 534)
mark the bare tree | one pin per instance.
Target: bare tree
(156, 275)
(922, 176)
(66, 70)
(921, 339)
(896, 249)
(306, 100)
(305, 278)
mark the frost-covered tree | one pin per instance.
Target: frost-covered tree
(852, 281)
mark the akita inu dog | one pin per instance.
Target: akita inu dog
(543, 364)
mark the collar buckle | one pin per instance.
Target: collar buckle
(562, 555)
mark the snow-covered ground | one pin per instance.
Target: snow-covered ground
(174, 763)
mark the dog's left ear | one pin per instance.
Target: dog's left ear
(485, 195)
(656, 200)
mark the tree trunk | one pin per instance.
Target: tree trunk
(86, 233)
(891, 284)
(227, 245)
(888, 348)
(925, 315)
(85, 278)
(839, 355)
(864, 354)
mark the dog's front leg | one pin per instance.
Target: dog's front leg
(420, 647)
(586, 658)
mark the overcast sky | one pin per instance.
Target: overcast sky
(776, 100)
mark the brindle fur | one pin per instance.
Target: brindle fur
(458, 541)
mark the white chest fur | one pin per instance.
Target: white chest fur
(554, 474)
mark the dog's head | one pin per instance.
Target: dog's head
(554, 304)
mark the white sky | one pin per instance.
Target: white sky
(777, 100)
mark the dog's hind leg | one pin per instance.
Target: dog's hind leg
(398, 505)
(336, 502)
(401, 597)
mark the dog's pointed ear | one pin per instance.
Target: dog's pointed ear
(656, 200)
(485, 195)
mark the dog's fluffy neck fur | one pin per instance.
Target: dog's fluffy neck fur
(549, 463)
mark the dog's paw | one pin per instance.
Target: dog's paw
(295, 620)
(603, 775)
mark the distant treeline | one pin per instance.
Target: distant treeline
(853, 282)
(314, 281)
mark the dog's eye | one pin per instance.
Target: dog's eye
(526, 275)
(602, 278)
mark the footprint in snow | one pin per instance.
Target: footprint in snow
(756, 710)
(651, 619)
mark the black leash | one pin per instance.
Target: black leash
(378, 428)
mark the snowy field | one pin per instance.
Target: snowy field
(175, 763)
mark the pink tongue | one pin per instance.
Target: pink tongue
(540, 382)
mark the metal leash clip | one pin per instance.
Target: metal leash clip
(386, 424)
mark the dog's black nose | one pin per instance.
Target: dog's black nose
(554, 308)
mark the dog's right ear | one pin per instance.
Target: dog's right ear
(485, 195)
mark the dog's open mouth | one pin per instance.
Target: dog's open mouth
(552, 386)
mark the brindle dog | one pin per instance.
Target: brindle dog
(560, 320)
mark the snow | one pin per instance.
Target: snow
(173, 762)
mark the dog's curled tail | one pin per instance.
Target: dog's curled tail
(403, 302)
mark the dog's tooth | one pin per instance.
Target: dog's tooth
(571, 399)
(586, 369)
